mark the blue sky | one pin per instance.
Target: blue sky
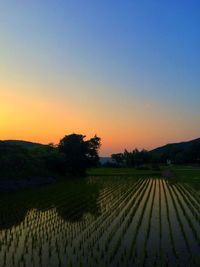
(125, 59)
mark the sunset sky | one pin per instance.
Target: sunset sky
(128, 71)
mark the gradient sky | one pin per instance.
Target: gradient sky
(128, 71)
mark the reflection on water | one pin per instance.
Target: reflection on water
(102, 221)
(70, 199)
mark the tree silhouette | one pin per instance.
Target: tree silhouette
(79, 154)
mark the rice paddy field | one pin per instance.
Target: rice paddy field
(113, 220)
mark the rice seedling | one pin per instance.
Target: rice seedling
(104, 221)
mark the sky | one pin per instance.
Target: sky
(128, 71)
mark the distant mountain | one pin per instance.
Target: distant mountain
(182, 146)
(26, 144)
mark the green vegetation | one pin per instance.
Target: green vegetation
(72, 156)
(60, 195)
(103, 171)
(79, 154)
(178, 153)
(124, 217)
(187, 173)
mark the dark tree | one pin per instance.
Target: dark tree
(118, 158)
(79, 154)
(93, 146)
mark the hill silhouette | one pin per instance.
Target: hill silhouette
(25, 144)
(21, 160)
(182, 146)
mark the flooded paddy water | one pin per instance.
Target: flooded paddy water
(102, 221)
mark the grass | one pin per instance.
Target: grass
(187, 173)
(183, 173)
(122, 172)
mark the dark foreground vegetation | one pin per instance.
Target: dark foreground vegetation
(25, 164)
(72, 156)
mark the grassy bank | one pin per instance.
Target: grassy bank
(183, 173)
(187, 173)
(122, 172)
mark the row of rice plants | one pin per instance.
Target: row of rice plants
(121, 234)
(193, 216)
(40, 232)
(190, 228)
(149, 227)
(133, 250)
(124, 222)
(181, 225)
(175, 251)
(96, 234)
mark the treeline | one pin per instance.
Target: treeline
(169, 155)
(72, 156)
(136, 158)
(180, 155)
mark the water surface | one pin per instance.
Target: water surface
(101, 221)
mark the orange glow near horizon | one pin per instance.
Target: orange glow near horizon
(25, 116)
(62, 71)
